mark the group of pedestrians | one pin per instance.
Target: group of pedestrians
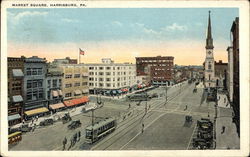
(75, 138)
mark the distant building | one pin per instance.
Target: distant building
(209, 80)
(230, 74)
(66, 60)
(159, 69)
(236, 71)
(110, 76)
(15, 90)
(74, 80)
(35, 86)
(221, 74)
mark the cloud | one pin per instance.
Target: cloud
(117, 23)
(15, 18)
(69, 20)
(175, 27)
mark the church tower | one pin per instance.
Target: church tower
(209, 61)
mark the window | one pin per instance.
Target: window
(100, 73)
(77, 76)
(113, 68)
(40, 94)
(60, 82)
(100, 84)
(28, 71)
(108, 73)
(77, 84)
(29, 84)
(68, 95)
(68, 76)
(68, 85)
(84, 83)
(118, 73)
(108, 84)
(209, 77)
(91, 73)
(108, 79)
(48, 82)
(108, 68)
(91, 68)
(29, 95)
(91, 79)
(48, 94)
(114, 73)
(54, 83)
(118, 79)
(209, 66)
(100, 68)
(100, 79)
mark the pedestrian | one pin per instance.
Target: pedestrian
(129, 106)
(75, 137)
(208, 115)
(79, 135)
(64, 143)
(142, 128)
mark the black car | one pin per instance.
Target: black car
(74, 124)
(66, 118)
(46, 122)
(25, 128)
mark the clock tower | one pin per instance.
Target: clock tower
(209, 80)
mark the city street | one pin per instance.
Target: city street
(164, 123)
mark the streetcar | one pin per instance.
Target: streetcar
(15, 137)
(100, 129)
(138, 97)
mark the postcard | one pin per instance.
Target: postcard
(125, 78)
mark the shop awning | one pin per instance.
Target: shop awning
(14, 117)
(54, 93)
(74, 102)
(85, 91)
(77, 92)
(17, 98)
(17, 73)
(124, 90)
(56, 106)
(36, 111)
(60, 92)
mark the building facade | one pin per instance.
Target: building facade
(74, 80)
(109, 75)
(209, 76)
(15, 90)
(53, 85)
(221, 74)
(230, 73)
(236, 71)
(159, 69)
(34, 83)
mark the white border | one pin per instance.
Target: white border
(244, 78)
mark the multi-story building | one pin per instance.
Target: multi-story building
(159, 69)
(66, 60)
(34, 84)
(236, 71)
(220, 74)
(109, 75)
(209, 80)
(74, 80)
(15, 89)
(53, 85)
(230, 74)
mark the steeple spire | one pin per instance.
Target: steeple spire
(209, 41)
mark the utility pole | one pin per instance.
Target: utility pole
(92, 125)
(166, 95)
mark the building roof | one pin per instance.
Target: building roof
(35, 59)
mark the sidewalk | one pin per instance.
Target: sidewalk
(229, 139)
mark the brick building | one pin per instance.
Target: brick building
(221, 74)
(236, 71)
(15, 88)
(159, 69)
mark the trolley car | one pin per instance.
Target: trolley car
(100, 129)
(15, 137)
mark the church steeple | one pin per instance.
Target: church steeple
(209, 40)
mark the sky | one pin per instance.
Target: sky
(118, 33)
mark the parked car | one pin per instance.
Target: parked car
(25, 128)
(46, 122)
(74, 124)
(66, 118)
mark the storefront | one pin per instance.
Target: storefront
(36, 112)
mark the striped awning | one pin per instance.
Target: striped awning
(36, 111)
(74, 102)
(14, 117)
(56, 106)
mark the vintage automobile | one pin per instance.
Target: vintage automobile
(154, 95)
(25, 128)
(195, 90)
(188, 118)
(47, 122)
(204, 125)
(202, 143)
(66, 118)
(208, 135)
(74, 124)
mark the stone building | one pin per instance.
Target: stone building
(221, 74)
(15, 89)
(230, 73)
(111, 76)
